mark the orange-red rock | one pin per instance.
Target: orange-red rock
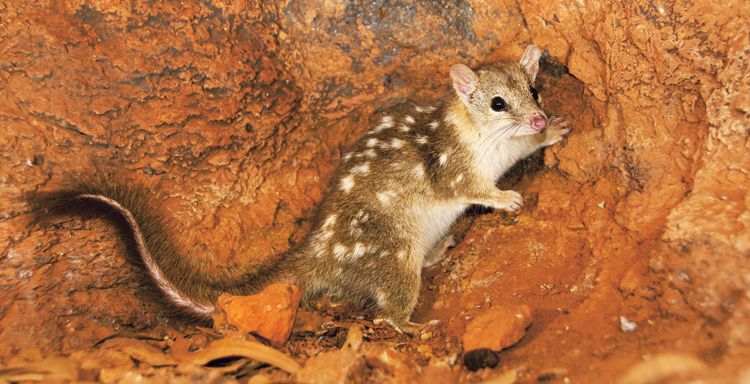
(497, 328)
(269, 314)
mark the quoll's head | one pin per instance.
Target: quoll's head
(502, 97)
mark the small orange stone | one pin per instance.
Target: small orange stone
(497, 328)
(269, 314)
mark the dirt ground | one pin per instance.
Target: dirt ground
(632, 251)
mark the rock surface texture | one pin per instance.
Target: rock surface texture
(235, 115)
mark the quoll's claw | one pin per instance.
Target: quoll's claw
(450, 242)
(410, 328)
(512, 201)
(557, 129)
(564, 127)
(416, 329)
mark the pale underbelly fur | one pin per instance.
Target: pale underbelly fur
(435, 219)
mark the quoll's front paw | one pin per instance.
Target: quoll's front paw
(510, 201)
(556, 130)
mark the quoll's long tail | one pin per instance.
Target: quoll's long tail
(189, 287)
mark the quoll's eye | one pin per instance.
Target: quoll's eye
(534, 93)
(498, 104)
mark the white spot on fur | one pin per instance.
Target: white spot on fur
(347, 156)
(408, 119)
(356, 232)
(330, 221)
(385, 123)
(372, 142)
(418, 171)
(380, 297)
(362, 168)
(347, 183)
(385, 197)
(326, 235)
(421, 139)
(340, 251)
(434, 125)
(370, 154)
(354, 228)
(358, 250)
(458, 179)
(401, 255)
(397, 143)
(362, 216)
(443, 158)
(418, 109)
(319, 245)
(404, 128)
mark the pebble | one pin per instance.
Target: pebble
(627, 325)
(480, 358)
(497, 328)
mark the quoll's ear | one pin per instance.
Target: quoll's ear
(530, 60)
(464, 81)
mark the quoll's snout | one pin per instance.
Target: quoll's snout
(538, 122)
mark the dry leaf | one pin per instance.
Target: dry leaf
(58, 368)
(141, 351)
(243, 348)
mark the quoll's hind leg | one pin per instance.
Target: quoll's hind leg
(397, 296)
(437, 254)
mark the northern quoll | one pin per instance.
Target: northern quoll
(388, 208)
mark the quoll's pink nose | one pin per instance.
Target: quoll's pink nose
(538, 122)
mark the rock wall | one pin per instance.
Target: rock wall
(235, 113)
